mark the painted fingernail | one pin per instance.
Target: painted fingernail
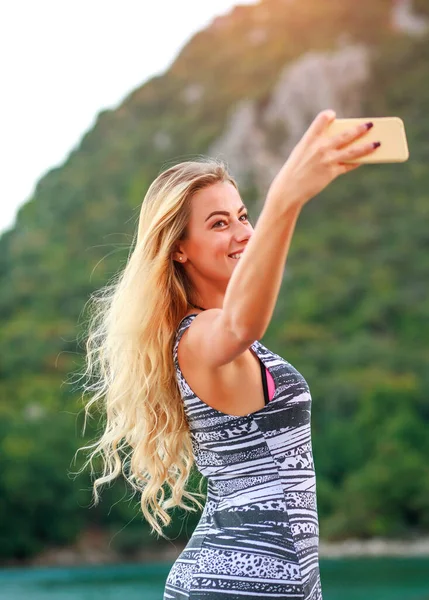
(369, 125)
(376, 144)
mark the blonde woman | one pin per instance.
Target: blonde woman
(185, 380)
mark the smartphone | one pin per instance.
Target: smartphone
(390, 131)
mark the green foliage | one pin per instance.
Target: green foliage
(352, 315)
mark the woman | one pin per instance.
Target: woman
(174, 343)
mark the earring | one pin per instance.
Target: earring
(180, 258)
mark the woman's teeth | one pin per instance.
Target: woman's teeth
(236, 255)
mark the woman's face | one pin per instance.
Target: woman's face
(218, 227)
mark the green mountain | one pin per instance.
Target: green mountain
(353, 315)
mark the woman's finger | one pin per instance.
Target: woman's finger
(349, 135)
(348, 154)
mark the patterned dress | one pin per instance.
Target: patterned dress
(258, 534)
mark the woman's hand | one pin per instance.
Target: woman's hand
(317, 160)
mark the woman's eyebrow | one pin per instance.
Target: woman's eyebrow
(224, 212)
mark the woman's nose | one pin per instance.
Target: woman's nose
(243, 231)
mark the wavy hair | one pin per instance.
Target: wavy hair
(129, 368)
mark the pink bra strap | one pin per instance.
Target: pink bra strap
(270, 383)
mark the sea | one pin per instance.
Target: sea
(377, 578)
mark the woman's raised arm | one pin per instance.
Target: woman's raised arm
(316, 160)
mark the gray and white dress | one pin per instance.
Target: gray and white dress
(258, 534)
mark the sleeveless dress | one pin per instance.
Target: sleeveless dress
(258, 535)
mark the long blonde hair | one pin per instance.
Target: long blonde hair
(129, 362)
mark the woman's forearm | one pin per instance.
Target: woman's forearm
(255, 283)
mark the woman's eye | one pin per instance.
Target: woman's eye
(245, 215)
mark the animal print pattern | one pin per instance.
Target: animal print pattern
(258, 535)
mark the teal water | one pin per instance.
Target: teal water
(348, 579)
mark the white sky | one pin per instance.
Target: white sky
(62, 62)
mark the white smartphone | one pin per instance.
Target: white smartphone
(390, 131)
